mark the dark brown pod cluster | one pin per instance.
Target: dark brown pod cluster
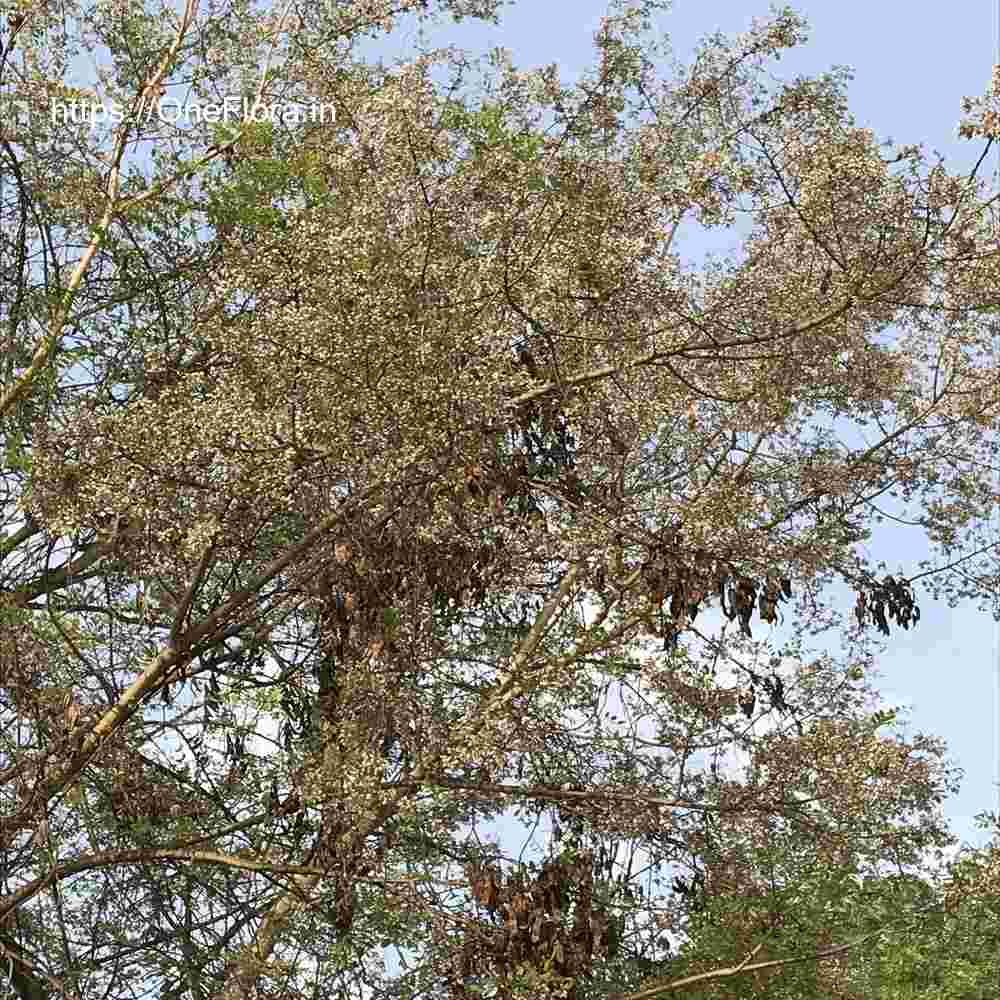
(549, 922)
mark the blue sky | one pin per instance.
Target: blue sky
(912, 65)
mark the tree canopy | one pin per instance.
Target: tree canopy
(376, 469)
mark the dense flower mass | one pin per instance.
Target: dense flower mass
(367, 483)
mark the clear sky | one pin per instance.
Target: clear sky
(912, 63)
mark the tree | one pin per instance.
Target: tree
(904, 936)
(349, 471)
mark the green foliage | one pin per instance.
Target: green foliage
(487, 128)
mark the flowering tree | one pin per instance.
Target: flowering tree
(365, 482)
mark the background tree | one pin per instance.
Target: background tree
(356, 477)
(903, 936)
